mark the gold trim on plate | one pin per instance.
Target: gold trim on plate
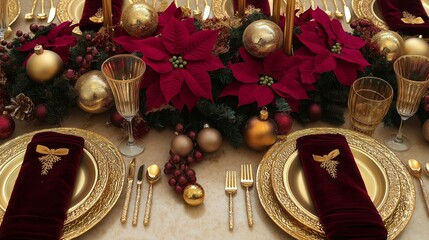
(394, 224)
(14, 9)
(380, 177)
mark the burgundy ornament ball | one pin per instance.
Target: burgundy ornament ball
(7, 126)
(284, 122)
(41, 112)
(315, 112)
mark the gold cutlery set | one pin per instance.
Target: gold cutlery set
(42, 15)
(336, 13)
(416, 170)
(153, 174)
(246, 179)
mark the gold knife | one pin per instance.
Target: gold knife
(206, 12)
(129, 188)
(139, 190)
(52, 12)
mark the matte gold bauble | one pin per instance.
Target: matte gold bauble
(262, 37)
(43, 65)
(140, 19)
(93, 92)
(425, 130)
(416, 46)
(181, 145)
(260, 132)
(193, 194)
(209, 139)
(389, 43)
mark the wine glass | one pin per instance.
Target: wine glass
(412, 75)
(124, 73)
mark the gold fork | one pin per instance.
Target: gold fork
(231, 189)
(247, 182)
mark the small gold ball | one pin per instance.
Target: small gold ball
(140, 20)
(262, 37)
(209, 139)
(260, 134)
(416, 46)
(181, 145)
(93, 92)
(43, 65)
(193, 194)
(425, 130)
(389, 43)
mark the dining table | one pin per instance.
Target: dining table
(171, 217)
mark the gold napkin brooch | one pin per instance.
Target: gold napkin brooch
(327, 162)
(51, 156)
(411, 19)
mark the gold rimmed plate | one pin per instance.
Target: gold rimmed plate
(395, 223)
(13, 11)
(380, 178)
(368, 9)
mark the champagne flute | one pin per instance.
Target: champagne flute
(124, 73)
(412, 75)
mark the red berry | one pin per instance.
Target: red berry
(426, 107)
(26, 36)
(83, 70)
(113, 49)
(190, 160)
(79, 60)
(178, 189)
(198, 155)
(190, 173)
(426, 99)
(9, 45)
(315, 112)
(41, 28)
(85, 64)
(2, 49)
(175, 159)
(172, 182)
(183, 181)
(34, 27)
(88, 37)
(107, 49)
(89, 58)
(70, 74)
(192, 135)
(19, 33)
(3, 42)
(193, 180)
(166, 172)
(21, 39)
(5, 57)
(180, 128)
(168, 166)
(94, 52)
(177, 173)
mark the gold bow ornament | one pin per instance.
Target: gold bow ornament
(327, 162)
(411, 19)
(50, 157)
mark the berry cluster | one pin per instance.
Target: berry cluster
(179, 167)
(21, 38)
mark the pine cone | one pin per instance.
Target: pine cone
(21, 107)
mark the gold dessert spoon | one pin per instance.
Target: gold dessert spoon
(30, 15)
(42, 15)
(325, 4)
(338, 14)
(416, 171)
(153, 174)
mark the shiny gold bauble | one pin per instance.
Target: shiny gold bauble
(140, 19)
(416, 46)
(181, 145)
(260, 132)
(193, 194)
(262, 37)
(43, 65)
(93, 92)
(390, 44)
(425, 130)
(209, 139)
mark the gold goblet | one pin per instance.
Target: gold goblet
(124, 73)
(368, 102)
(412, 75)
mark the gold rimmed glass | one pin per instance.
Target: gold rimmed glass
(124, 73)
(368, 102)
(412, 75)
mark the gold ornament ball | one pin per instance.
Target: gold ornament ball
(140, 19)
(260, 132)
(181, 145)
(43, 65)
(416, 46)
(193, 194)
(209, 139)
(262, 37)
(425, 130)
(93, 92)
(390, 44)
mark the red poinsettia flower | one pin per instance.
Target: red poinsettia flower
(333, 48)
(59, 39)
(174, 12)
(182, 62)
(261, 80)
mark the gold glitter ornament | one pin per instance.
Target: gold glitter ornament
(262, 37)
(194, 194)
(389, 43)
(140, 20)
(260, 132)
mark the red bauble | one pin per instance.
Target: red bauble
(315, 112)
(7, 126)
(284, 122)
(41, 112)
(116, 119)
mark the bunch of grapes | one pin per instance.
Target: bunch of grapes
(181, 174)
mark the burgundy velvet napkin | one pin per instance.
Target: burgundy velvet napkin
(90, 9)
(264, 5)
(393, 11)
(339, 194)
(40, 198)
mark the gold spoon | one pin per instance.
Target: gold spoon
(427, 168)
(153, 174)
(42, 15)
(30, 15)
(329, 13)
(416, 171)
(338, 14)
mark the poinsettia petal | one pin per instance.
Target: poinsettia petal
(325, 22)
(171, 83)
(264, 95)
(189, 24)
(293, 104)
(247, 57)
(346, 39)
(149, 77)
(246, 94)
(352, 56)
(188, 98)
(28, 46)
(324, 62)
(246, 72)
(175, 37)
(231, 89)
(158, 66)
(199, 82)
(200, 45)
(152, 48)
(55, 31)
(178, 103)
(289, 87)
(154, 97)
(307, 72)
(211, 63)
(127, 42)
(275, 62)
(345, 72)
(311, 40)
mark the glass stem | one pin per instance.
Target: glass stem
(398, 138)
(130, 132)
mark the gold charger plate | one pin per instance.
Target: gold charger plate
(71, 10)
(394, 224)
(369, 9)
(104, 193)
(224, 8)
(13, 11)
(380, 177)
